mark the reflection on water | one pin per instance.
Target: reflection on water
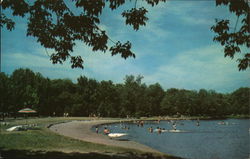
(212, 139)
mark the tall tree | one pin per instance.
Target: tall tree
(5, 93)
(240, 101)
(88, 89)
(154, 96)
(202, 102)
(60, 95)
(168, 103)
(44, 95)
(132, 95)
(24, 89)
(109, 100)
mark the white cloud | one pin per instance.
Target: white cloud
(200, 68)
(98, 65)
(40, 62)
(197, 21)
(153, 26)
(194, 69)
(106, 67)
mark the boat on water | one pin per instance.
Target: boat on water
(114, 135)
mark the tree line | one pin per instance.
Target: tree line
(25, 88)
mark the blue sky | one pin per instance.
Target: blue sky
(175, 49)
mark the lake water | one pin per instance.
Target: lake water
(210, 140)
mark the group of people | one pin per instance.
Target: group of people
(160, 130)
(140, 123)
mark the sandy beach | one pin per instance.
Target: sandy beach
(82, 130)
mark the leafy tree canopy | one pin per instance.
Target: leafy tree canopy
(57, 27)
(234, 40)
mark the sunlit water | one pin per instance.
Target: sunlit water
(210, 140)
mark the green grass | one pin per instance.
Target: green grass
(49, 141)
(43, 140)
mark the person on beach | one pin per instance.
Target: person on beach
(106, 131)
(96, 129)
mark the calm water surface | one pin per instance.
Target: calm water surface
(210, 140)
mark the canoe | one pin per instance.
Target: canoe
(116, 134)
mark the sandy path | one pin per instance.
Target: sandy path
(82, 130)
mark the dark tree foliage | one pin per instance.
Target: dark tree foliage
(57, 27)
(135, 17)
(23, 89)
(6, 21)
(88, 97)
(5, 92)
(109, 100)
(232, 39)
(154, 95)
(240, 97)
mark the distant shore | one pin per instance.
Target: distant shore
(182, 117)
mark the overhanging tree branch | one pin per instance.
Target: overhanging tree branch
(235, 41)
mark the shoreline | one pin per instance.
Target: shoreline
(54, 138)
(81, 130)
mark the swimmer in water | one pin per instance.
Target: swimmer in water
(198, 122)
(106, 131)
(174, 126)
(150, 129)
(142, 123)
(138, 123)
(159, 120)
(159, 131)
